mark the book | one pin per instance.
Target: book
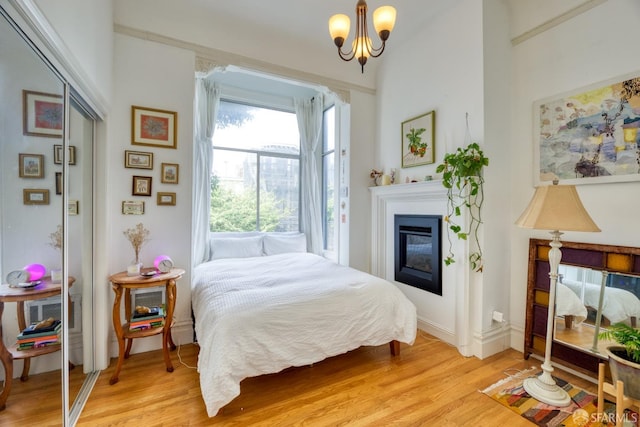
(31, 329)
(153, 313)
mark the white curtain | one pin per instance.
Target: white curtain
(206, 108)
(309, 115)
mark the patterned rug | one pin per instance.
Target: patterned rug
(580, 413)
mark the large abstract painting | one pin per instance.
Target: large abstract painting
(590, 135)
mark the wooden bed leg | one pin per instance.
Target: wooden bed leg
(394, 346)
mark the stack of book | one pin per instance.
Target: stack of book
(32, 337)
(152, 319)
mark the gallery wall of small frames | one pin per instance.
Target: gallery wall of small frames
(42, 116)
(151, 127)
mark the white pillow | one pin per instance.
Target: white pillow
(282, 243)
(236, 247)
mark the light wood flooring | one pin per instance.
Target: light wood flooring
(430, 383)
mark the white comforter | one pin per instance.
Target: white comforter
(260, 315)
(618, 305)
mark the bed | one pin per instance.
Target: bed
(569, 305)
(618, 305)
(262, 304)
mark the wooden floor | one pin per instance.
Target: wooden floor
(430, 383)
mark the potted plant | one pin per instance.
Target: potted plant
(462, 177)
(624, 359)
(137, 237)
(416, 146)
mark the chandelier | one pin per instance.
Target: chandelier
(384, 19)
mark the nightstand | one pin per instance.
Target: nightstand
(8, 355)
(122, 282)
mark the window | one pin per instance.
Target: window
(255, 183)
(328, 177)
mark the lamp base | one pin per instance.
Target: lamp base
(540, 388)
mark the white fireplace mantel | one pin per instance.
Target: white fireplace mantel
(445, 316)
(385, 203)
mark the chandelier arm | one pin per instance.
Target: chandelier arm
(346, 56)
(374, 53)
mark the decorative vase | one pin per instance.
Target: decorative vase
(134, 269)
(625, 370)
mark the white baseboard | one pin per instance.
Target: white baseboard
(437, 331)
(493, 341)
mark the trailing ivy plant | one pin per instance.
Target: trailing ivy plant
(462, 177)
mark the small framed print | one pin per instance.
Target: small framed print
(43, 114)
(141, 186)
(73, 207)
(57, 154)
(31, 165)
(417, 140)
(166, 199)
(138, 160)
(132, 207)
(31, 196)
(153, 128)
(58, 182)
(169, 173)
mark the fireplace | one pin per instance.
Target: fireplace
(417, 250)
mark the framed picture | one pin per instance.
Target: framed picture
(73, 207)
(58, 182)
(418, 136)
(166, 199)
(57, 154)
(138, 160)
(169, 173)
(154, 128)
(141, 186)
(31, 196)
(43, 114)
(132, 207)
(31, 165)
(588, 135)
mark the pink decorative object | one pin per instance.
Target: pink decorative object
(163, 263)
(36, 271)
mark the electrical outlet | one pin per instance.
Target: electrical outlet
(498, 316)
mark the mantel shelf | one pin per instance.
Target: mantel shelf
(413, 188)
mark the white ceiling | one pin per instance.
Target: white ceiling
(308, 20)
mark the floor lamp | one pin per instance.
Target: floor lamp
(554, 207)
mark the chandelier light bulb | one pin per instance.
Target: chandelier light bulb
(339, 26)
(384, 19)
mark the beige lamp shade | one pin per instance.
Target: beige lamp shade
(556, 207)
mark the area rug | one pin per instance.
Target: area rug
(580, 413)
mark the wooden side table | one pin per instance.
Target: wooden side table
(121, 281)
(8, 355)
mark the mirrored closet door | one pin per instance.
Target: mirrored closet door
(46, 237)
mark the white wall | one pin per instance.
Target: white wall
(589, 48)
(447, 67)
(151, 75)
(86, 30)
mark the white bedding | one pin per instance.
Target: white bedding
(618, 305)
(260, 315)
(568, 303)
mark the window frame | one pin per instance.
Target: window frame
(261, 153)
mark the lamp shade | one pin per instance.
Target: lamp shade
(384, 18)
(36, 271)
(556, 207)
(339, 26)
